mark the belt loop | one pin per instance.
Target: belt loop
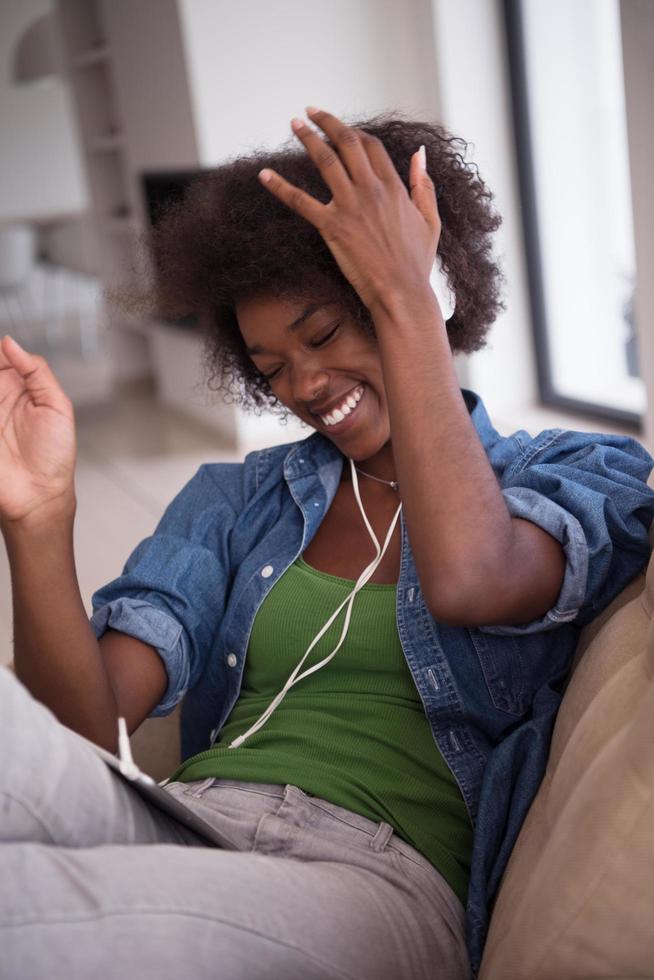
(204, 785)
(382, 837)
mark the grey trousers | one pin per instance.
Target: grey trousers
(97, 883)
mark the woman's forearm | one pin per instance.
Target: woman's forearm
(56, 653)
(460, 529)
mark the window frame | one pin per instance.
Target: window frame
(518, 82)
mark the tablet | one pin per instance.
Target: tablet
(154, 793)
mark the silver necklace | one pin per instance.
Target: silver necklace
(389, 483)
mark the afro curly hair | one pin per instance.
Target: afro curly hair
(228, 239)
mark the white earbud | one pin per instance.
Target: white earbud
(444, 295)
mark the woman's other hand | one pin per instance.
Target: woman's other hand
(37, 438)
(383, 238)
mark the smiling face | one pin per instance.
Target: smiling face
(325, 369)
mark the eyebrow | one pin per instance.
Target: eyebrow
(292, 327)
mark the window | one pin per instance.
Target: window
(568, 98)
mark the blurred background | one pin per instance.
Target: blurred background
(109, 107)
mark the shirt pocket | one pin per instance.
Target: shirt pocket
(501, 661)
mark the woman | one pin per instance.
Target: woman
(406, 585)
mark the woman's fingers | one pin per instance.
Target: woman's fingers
(356, 159)
(347, 141)
(5, 363)
(36, 375)
(297, 200)
(378, 156)
(325, 158)
(331, 170)
(423, 192)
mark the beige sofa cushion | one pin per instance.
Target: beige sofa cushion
(577, 898)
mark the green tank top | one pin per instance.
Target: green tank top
(354, 732)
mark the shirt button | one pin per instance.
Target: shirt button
(266, 571)
(231, 659)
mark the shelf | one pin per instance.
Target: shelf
(93, 56)
(84, 30)
(95, 97)
(119, 225)
(96, 40)
(107, 144)
(134, 323)
(108, 186)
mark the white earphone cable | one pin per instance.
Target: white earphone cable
(349, 600)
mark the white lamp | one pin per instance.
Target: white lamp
(35, 56)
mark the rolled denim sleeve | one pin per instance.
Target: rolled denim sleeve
(172, 590)
(590, 492)
(155, 627)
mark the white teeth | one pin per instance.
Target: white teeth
(338, 414)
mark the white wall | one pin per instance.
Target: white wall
(40, 165)
(253, 66)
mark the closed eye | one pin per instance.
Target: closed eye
(323, 340)
(314, 344)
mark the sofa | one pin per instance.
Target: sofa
(577, 897)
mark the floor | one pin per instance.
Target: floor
(132, 459)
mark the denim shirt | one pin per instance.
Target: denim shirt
(490, 694)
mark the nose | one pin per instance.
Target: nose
(308, 382)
